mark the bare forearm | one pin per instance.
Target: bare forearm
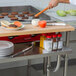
(64, 1)
(54, 3)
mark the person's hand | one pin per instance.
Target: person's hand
(53, 3)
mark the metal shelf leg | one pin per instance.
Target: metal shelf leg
(66, 56)
(48, 66)
(66, 65)
(45, 65)
(29, 68)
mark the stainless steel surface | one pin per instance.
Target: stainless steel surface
(21, 52)
(34, 54)
(72, 23)
(48, 66)
(67, 38)
(20, 9)
(45, 65)
(66, 65)
(66, 55)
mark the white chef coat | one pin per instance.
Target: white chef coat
(73, 2)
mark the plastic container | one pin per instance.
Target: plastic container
(35, 22)
(48, 44)
(42, 38)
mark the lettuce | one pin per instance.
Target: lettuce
(61, 13)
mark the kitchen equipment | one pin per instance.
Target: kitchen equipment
(41, 11)
(56, 24)
(6, 48)
(20, 9)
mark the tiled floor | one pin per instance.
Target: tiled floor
(21, 71)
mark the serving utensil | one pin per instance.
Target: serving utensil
(41, 11)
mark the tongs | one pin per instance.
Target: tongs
(23, 51)
(41, 12)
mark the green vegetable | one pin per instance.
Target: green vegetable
(71, 12)
(61, 13)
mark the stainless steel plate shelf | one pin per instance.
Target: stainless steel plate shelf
(34, 53)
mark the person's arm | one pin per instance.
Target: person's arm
(54, 3)
(64, 1)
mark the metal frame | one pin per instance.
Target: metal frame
(48, 60)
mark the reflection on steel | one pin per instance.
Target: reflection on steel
(48, 66)
(45, 65)
(23, 51)
(58, 63)
(66, 56)
(29, 68)
(66, 65)
(67, 38)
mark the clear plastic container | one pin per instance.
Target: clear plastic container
(48, 44)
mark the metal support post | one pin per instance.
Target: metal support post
(48, 66)
(66, 56)
(45, 65)
(66, 65)
(67, 38)
(29, 68)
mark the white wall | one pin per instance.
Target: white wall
(40, 4)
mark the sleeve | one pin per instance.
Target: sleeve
(73, 2)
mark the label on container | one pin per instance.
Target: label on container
(48, 45)
(60, 44)
(54, 45)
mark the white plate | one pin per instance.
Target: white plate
(19, 28)
(6, 48)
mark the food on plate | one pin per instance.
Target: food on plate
(14, 13)
(14, 18)
(35, 22)
(25, 17)
(18, 24)
(5, 23)
(61, 13)
(21, 15)
(1, 17)
(15, 24)
(10, 16)
(30, 14)
(4, 14)
(42, 23)
(25, 12)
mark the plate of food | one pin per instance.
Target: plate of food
(16, 25)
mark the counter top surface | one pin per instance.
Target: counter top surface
(71, 20)
(29, 29)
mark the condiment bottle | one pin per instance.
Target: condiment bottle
(42, 38)
(48, 44)
(60, 42)
(54, 42)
